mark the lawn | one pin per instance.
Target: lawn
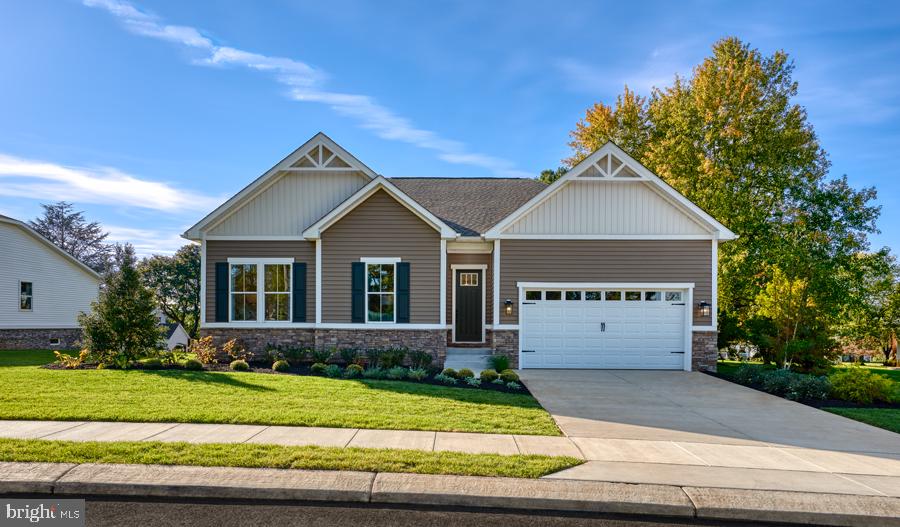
(28, 391)
(284, 457)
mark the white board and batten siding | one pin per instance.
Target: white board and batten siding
(61, 289)
(293, 202)
(606, 208)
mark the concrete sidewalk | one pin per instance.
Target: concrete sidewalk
(154, 481)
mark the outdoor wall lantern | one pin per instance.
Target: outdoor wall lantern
(705, 308)
(508, 306)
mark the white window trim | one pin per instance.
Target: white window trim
(380, 261)
(469, 267)
(19, 299)
(260, 264)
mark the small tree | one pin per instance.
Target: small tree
(122, 326)
(175, 281)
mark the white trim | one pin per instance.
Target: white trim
(521, 294)
(703, 328)
(242, 260)
(604, 285)
(281, 324)
(245, 237)
(606, 237)
(495, 315)
(260, 264)
(320, 169)
(309, 325)
(40, 326)
(35, 234)
(379, 261)
(714, 309)
(318, 281)
(468, 267)
(31, 309)
(443, 290)
(315, 230)
(505, 327)
(689, 333)
(203, 272)
(367, 260)
(469, 247)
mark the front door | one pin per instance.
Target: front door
(469, 298)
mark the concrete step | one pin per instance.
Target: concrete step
(458, 352)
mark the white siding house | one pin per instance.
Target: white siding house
(42, 290)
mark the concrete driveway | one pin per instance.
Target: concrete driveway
(690, 428)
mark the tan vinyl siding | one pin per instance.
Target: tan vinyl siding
(605, 261)
(381, 227)
(221, 250)
(477, 259)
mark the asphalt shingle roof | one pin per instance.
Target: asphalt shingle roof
(470, 205)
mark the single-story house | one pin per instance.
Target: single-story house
(43, 289)
(608, 267)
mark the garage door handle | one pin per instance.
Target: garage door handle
(528, 303)
(527, 351)
(681, 304)
(678, 352)
(603, 326)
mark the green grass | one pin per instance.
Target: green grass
(285, 457)
(30, 392)
(887, 418)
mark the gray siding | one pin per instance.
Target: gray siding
(381, 228)
(221, 250)
(605, 261)
(478, 259)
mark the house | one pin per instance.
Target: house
(608, 267)
(43, 289)
(173, 333)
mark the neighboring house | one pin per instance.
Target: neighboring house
(172, 332)
(608, 267)
(42, 290)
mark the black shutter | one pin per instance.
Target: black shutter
(298, 285)
(221, 291)
(402, 292)
(358, 290)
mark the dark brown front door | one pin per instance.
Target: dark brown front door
(469, 295)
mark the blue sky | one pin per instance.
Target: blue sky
(147, 114)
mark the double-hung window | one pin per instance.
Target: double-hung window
(380, 291)
(26, 297)
(260, 289)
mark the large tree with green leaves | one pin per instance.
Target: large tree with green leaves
(71, 232)
(731, 139)
(175, 281)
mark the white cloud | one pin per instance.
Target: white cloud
(147, 242)
(48, 181)
(306, 84)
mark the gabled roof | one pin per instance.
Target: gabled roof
(470, 205)
(314, 231)
(610, 163)
(36, 235)
(319, 153)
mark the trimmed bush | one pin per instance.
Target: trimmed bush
(514, 386)
(749, 375)
(420, 359)
(295, 356)
(193, 365)
(353, 371)
(417, 374)
(445, 379)
(472, 381)
(509, 376)
(321, 356)
(778, 382)
(450, 372)
(333, 371)
(809, 388)
(860, 386)
(392, 357)
(239, 365)
(317, 368)
(397, 372)
(349, 355)
(374, 373)
(489, 376)
(281, 365)
(499, 362)
(153, 364)
(465, 373)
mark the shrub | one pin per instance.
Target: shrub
(489, 376)
(274, 353)
(373, 357)
(374, 373)
(450, 372)
(749, 375)
(321, 356)
(472, 381)
(295, 356)
(445, 379)
(778, 382)
(397, 373)
(514, 386)
(860, 386)
(333, 371)
(465, 373)
(498, 381)
(193, 365)
(153, 364)
(282, 366)
(239, 365)
(393, 357)
(235, 349)
(353, 371)
(509, 376)
(204, 350)
(349, 355)
(69, 362)
(809, 388)
(317, 368)
(173, 356)
(417, 374)
(499, 362)
(420, 359)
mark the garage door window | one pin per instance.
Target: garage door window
(573, 295)
(673, 296)
(653, 296)
(553, 295)
(532, 295)
(593, 295)
(614, 296)
(632, 295)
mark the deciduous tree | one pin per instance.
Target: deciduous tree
(175, 282)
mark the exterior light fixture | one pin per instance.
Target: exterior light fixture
(705, 308)
(508, 306)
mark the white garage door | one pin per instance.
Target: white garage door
(603, 328)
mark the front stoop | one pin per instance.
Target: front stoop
(474, 359)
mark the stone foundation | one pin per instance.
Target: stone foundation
(704, 350)
(69, 338)
(255, 340)
(506, 342)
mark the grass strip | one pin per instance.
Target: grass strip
(887, 418)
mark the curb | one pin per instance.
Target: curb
(457, 491)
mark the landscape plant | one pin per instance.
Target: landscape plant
(465, 373)
(420, 359)
(374, 373)
(417, 374)
(392, 357)
(498, 362)
(508, 376)
(397, 373)
(445, 379)
(239, 365)
(193, 365)
(204, 349)
(318, 368)
(333, 371)
(235, 349)
(349, 355)
(449, 372)
(70, 362)
(322, 355)
(353, 371)
(489, 376)
(281, 366)
(860, 386)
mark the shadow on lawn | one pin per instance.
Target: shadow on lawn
(203, 377)
(496, 398)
